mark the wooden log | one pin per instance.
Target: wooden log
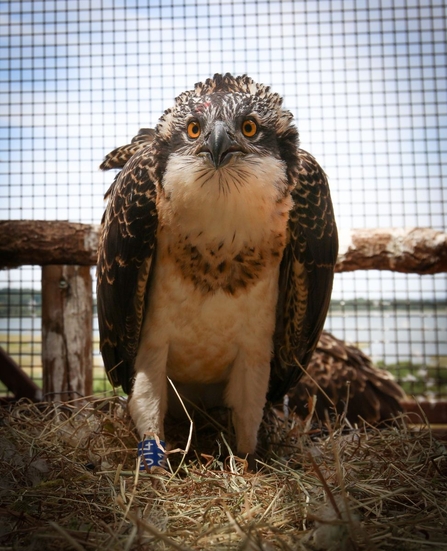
(67, 314)
(415, 250)
(16, 380)
(41, 242)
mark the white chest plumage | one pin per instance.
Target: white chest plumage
(212, 303)
(205, 331)
(216, 277)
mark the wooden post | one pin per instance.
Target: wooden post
(66, 332)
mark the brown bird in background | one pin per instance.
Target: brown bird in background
(343, 378)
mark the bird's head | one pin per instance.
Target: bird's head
(225, 123)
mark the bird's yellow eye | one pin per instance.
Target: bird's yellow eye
(249, 128)
(194, 130)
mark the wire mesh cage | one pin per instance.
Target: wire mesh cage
(365, 81)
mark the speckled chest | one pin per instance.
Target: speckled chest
(213, 266)
(224, 240)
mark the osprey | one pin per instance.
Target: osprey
(344, 379)
(216, 257)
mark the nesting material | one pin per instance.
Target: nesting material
(68, 480)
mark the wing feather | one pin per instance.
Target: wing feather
(125, 258)
(372, 394)
(119, 156)
(306, 274)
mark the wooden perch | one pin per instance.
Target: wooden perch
(415, 250)
(42, 242)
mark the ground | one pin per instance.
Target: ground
(68, 480)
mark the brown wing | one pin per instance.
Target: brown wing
(125, 258)
(306, 275)
(119, 156)
(373, 394)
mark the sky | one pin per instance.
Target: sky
(366, 81)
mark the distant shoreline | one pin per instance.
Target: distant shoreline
(28, 304)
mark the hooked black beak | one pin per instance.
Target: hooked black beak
(219, 145)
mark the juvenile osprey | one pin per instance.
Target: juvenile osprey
(216, 257)
(344, 379)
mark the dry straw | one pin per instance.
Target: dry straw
(68, 481)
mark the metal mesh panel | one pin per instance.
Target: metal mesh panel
(365, 80)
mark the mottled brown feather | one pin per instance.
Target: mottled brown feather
(306, 275)
(338, 370)
(119, 156)
(125, 254)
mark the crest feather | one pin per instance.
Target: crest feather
(228, 83)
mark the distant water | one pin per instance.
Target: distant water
(420, 337)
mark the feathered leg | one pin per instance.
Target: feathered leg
(246, 396)
(148, 402)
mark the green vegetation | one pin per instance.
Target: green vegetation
(419, 380)
(101, 383)
(20, 303)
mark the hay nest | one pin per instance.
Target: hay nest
(68, 480)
